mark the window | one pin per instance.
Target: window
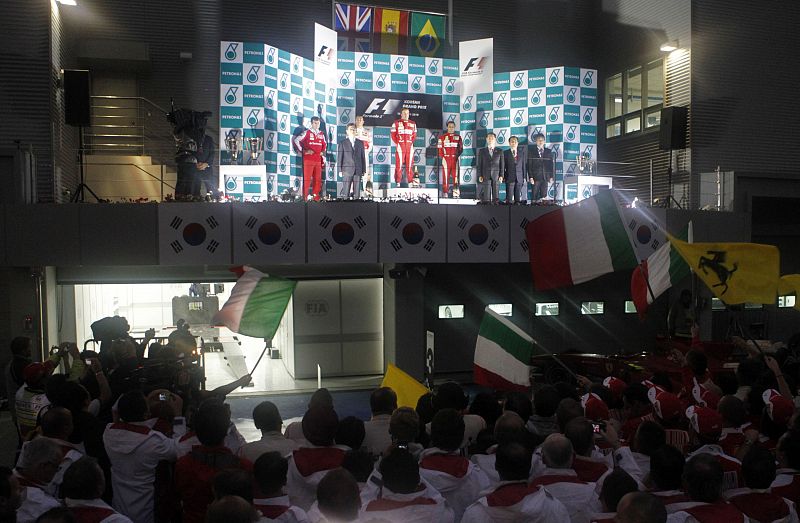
(786, 301)
(546, 309)
(592, 307)
(503, 309)
(448, 312)
(717, 305)
(630, 308)
(634, 99)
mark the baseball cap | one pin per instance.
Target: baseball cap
(594, 407)
(778, 408)
(666, 405)
(705, 421)
(615, 385)
(35, 372)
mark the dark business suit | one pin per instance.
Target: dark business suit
(352, 161)
(490, 168)
(540, 170)
(516, 175)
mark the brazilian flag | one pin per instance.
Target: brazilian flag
(428, 32)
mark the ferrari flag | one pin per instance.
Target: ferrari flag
(735, 272)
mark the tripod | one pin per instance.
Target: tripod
(82, 188)
(669, 199)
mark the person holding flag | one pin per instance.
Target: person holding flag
(313, 145)
(404, 132)
(450, 148)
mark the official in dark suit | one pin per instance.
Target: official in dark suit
(516, 172)
(351, 158)
(491, 167)
(540, 167)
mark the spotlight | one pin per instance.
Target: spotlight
(668, 47)
(67, 2)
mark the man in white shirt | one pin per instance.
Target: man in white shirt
(512, 499)
(450, 395)
(640, 507)
(268, 420)
(703, 481)
(37, 465)
(560, 480)
(83, 486)
(382, 402)
(273, 504)
(134, 450)
(403, 497)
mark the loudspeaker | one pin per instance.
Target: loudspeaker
(672, 134)
(76, 98)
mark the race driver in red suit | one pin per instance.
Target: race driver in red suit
(313, 144)
(404, 132)
(450, 148)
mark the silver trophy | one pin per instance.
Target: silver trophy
(233, 143)
(254, 144)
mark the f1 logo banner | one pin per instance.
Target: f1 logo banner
(476, 65)
(324, 54)
(381, 109)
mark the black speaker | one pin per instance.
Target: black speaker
(76, 98)
(672, 135)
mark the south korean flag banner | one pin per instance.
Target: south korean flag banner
(194, 234)
(646, 229)
(269, 233)
(413, 233)
(343, 233)
(477, 234)
(521, 216)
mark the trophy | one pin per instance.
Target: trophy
(233, 143)
(585, 164)
(255, 144)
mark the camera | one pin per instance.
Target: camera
(598, 426)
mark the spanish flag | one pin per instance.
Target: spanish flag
(790, 284)
(390, 31)
(735, 272)
(408, 390)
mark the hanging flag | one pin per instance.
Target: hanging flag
(579, 242)
(390, 21)
(256, 305)
(790, 284)
(735, 272)
(353, 18)
(408, 390)
(502, 354)
(660, 271)
(354, 42)
(428, 32)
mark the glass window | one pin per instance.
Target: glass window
(448, 312)
(614, 97)
(630, 308)
(547, 309)
(503, 309)
(633, 124)
(652, 118)
(786, 301)
(592, 307)
(655, 83)
(633, 90)
(613, 129)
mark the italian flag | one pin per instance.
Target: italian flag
(502, 354)
(660, 271)
(579, 242)
(257, 304)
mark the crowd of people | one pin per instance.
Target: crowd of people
(96, 448)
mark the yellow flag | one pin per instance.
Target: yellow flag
(735, 272)
(790, 284)
(408, 389)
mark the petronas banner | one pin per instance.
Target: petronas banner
(428, 33)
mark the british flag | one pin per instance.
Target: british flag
(351, 42)
(353, 18)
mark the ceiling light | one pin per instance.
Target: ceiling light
(668, 47)
(67, 2)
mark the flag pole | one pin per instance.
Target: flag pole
(557, 359)
(266, 346)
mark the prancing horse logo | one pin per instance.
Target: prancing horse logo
(716, 264)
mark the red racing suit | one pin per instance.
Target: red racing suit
(313, 145)
(450, 148)
(404, 132)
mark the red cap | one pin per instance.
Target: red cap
(34, 373)
(705, 421)
(778, 408)
(594, 407)
(616, 386)
(666, 405)
(704, 397)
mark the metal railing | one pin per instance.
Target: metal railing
(159, 178)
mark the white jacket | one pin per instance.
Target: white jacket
(134, 450)
(35, 501)
(307, 467)
(579, 497)
(418, 507)
(516, 501)
(460, 481)
(94, 510)
(279, 509)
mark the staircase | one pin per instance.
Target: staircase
(128, 177)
